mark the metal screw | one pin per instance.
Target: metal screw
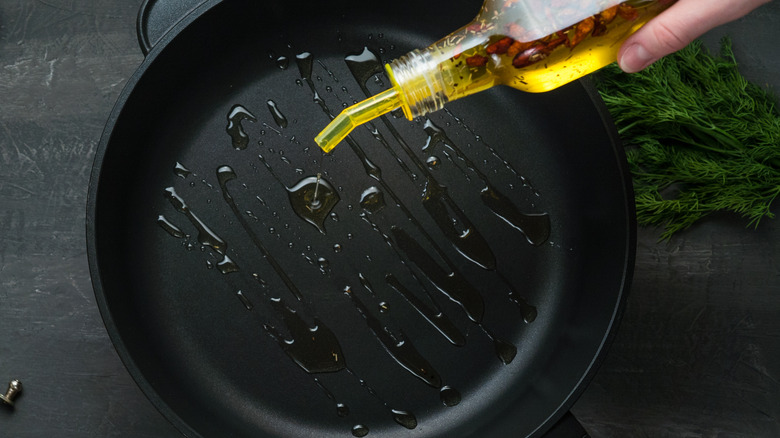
(14, 388)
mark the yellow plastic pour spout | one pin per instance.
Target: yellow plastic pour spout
(356, 115)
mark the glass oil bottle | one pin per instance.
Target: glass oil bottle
(530, 45)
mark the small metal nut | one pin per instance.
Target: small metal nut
(14, 388)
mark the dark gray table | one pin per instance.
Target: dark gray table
(697, 355)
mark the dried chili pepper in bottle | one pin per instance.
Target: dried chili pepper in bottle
(530, 45)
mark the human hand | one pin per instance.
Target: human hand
(678, 26)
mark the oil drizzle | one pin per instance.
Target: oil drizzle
(535, 227)
(181, 171)
(399, 347)
(453, 284)
(437, 319)
(315, 349)
(234, 128)
(524, 181)
(170, 228)
(226, 174)
(279, 118)
(372, 200)
(206, 237)
(449, 396)
(359, 431)
(469, 242)
(245, 300)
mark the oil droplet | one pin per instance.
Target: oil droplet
(282, 62)
(324, 265)
(234, 128)
(226, 266)
(505, 351)
(312, 199)
(400, 348)
(364, 65)
(449, 396)
(304, 61)
(342, 410)
(245, 300)
(466, 239)
(181, 171)
(334, 216)
(359, 431)
(169, 227)
(405, 419)
(432, 162)
(535, 227)
(384, 307)
(435, 317)
(366, 284)
(453, 284)
(315, 349)
(279, 118)
(372, 200)
(206, 236)
(337, 248)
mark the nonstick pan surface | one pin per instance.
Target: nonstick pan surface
(455, 276)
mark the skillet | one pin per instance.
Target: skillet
(455, 276)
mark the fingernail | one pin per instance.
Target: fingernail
(635, 58)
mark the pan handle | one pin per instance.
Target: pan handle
(567, 427)
(157, 17)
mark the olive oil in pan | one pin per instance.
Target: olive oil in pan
(433, 315)
(342, 410)
(359, 431)
(449, 396)
(468, 241)
(399, 348)
(312, 199)
(372, 200)
(170, 228)
(234, 128)
(452, 284)
(206, 237)
(479, 139)
(226, 174)
(436, 318)
(279, 118)
(245, 300)
(535, 227)
(315, 349)
(438, 203)
(181, 171)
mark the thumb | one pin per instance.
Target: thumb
(677, 27)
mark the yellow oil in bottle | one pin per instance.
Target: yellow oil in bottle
(526, 44)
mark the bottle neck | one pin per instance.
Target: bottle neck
(418, 78)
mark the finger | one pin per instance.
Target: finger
(677, 27)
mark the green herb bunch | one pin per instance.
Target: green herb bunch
(699, 138)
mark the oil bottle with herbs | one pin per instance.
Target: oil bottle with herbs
(530, 45)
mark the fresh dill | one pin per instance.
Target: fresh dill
(699, 138)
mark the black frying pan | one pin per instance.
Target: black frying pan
(455, 276)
